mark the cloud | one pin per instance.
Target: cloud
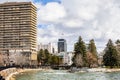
(90, 19)
(84, 9)
(51, 12)
(73, 23)
(98, 19)
(48, 34)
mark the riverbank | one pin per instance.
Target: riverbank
(104, 70)
(18, 71)
(11, 76)
(95, 70)
(63, 75)
(6, 72)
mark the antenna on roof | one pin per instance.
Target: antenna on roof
(62, 35)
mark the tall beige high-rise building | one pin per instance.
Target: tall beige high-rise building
(18, 28)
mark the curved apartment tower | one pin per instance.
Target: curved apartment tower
(18, 29)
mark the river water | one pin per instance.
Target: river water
(64, 75)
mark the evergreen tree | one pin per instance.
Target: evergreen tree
(117, 42)
(92, 58)
(110, 58)
(49, 60)
(41, 56)
(54, 60)
(92, 48)
(118, 49)
(48, 56)
(79, 48)
(46, 52)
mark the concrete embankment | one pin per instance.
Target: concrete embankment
(5, 73)
(17, 71)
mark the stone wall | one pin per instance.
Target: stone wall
(5, 73)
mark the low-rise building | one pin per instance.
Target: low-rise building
(67, 57)
(50, 47)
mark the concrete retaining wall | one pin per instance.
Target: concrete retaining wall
(5, 73)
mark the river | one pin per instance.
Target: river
(64, 75)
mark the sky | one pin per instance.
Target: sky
(69, 19)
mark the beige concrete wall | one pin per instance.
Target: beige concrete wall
(5, 73)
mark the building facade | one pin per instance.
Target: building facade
(49, 47)
(62, 45)
(66, 57)
(18, 28)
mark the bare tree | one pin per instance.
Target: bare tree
(78, 60)
(19, 59)
(1, 60)
(92, 60)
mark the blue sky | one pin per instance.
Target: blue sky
(47, 1)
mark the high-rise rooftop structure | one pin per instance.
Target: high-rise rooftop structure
(62, 45)
(18, 27)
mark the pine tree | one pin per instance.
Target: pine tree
(117, 42)
(79, 48)
(54, 60)
(92, 47)
(41, 56)
(92, 57)
(48, 57)
(118, 49)
(110, 58)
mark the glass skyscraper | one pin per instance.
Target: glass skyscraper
(62, 45)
